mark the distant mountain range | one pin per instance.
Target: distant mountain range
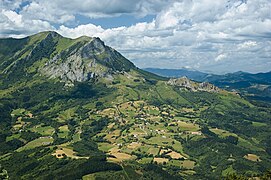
(191, 74)
(254, 86)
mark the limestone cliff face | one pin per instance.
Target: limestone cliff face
(186, 83)
(77, 63)
(86, 59)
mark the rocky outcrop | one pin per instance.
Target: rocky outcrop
(205, 86)
(186, 83)
(86, 60)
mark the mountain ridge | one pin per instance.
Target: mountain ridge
(79, 59)
(253, 86)
(176, 73)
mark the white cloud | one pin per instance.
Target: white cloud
(247, 44)
(14, 24)
(198, 34)
(48, 11)
(221, 57)
(88, 30)
(8, 4)
(63, 11)
(13, 17)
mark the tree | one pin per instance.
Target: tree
(99, 105)
(232, 139)
(268, 150)
(267, 175)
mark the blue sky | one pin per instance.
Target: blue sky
(216, 36)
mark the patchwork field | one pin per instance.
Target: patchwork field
(63, 131)
(43, 130)
(134, 131)
(175, 155)
(42, 141)
(62, 152)
(252, 157)
(188, 164)
(145, 134)
(118, 156)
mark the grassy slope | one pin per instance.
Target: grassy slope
(69, 112)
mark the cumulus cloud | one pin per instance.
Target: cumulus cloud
(220, 57)
(46, 10)
(62, 11)
(8, 4)
(206, 34)
(14, 24)
(247, 44)
(88, 30)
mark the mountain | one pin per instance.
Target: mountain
(252, 86)
(237, 77)
(191, 74)
(79, 60)
(256, 87)
(78, 109)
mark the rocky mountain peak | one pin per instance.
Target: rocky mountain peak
(47, 34)
(92, 48)
(85, 59)
(50, 54)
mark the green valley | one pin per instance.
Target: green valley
(78, 109)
